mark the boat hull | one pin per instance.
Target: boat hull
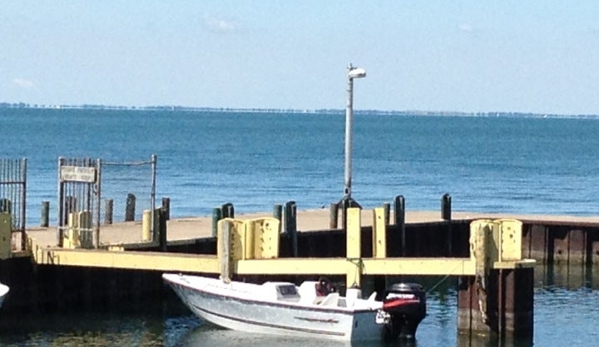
(3, 291)
(279, 318)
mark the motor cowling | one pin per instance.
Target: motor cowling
(405, 305)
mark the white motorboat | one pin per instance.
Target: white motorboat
(314, 309)
(3, 291)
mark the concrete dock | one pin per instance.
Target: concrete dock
(191, 228)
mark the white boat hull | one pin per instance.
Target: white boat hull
(279, 318)
(3, 291)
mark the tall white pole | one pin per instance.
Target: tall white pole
(348, 133)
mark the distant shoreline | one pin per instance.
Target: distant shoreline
(163, 108)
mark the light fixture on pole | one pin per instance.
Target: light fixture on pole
(352, 72)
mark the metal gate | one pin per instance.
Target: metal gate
(13, 184)
(83, 183)
(79, 193)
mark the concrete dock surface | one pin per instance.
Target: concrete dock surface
(182, 229)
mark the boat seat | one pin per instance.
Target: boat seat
(330, 300)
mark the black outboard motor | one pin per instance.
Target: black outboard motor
(405, 307)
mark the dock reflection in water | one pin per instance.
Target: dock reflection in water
(566, 312)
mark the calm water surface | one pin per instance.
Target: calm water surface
(562, 317)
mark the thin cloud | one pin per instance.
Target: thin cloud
(24, 83)
(221, 25)
(465, 27)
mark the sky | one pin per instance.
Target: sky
(537, 56)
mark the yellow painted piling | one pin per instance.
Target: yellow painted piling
(71, 239)
(353, 244)
(379, 233)
(146, 226)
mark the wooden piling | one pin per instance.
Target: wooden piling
(446, 207)
(228, 210)
(130, 208)
(108, 211)
(277, 212)
(400, 221)
(217, 214)
(162, 230)
(333, 215)
(290, 226)
(166, 205)
(45, 218)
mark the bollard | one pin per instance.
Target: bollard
(446, 215)
(108, 211)
(216, 216)
(387, 209)
(291, 225)
(162, 238)
(400, 221)
(446, 207)
(228, 211)
(333, 215)
(130, 208)
(45, 220)
(277, 212)
(166, 205)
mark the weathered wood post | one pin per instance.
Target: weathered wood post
(217, 214)
(228, 211)
(130, 208)
(446, 215)
(446, 207)
(333, 215)
(387, 209)
(400, 220)
(45, 219)
(108, 211)
(162, 238)
(277, 212)
(291, 225)
(344, 206)
(166, 205)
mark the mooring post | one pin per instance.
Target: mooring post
(446, 215)
(277, 212)
(387, 209)
(446, 207)
(217, 214)
(228, 211)
(108, 211)
(400, 220)
(162, 238)
(166, 205)
(290, 226)
(333, 215)
(130, 208)
(45, 220)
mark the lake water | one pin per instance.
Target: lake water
(254, 160)
(562, 317)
